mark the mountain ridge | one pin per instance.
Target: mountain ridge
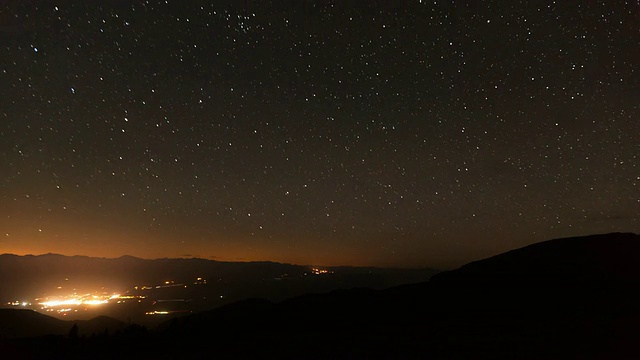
(506, 306)
(565, 319)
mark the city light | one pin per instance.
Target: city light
(157, 313)
(77, 300)
(317, 271)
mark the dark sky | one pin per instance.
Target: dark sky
(391, 133)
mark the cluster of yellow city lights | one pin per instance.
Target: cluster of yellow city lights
(19, 303)
(320, 271)
(77, 300)
(157, 313)
(73, 303)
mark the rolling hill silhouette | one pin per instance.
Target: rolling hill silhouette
(597, 258)
(564, 298)
(20, 323)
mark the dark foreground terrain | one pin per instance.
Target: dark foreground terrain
(571, 298)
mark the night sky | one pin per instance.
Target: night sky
(388, 133)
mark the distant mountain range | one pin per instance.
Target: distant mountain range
(45, 271)
(565, 298)
(38, 272)
(199, 284)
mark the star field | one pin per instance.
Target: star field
(413, 133)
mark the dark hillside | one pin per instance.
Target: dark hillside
(563, 299)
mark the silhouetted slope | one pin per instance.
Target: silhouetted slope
(99, 325)
(25, 323)
(564, 299)
(596, 258)
(19, 323)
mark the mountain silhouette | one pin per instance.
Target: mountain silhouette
(566, 298)
(21, 323)
(597, 258)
